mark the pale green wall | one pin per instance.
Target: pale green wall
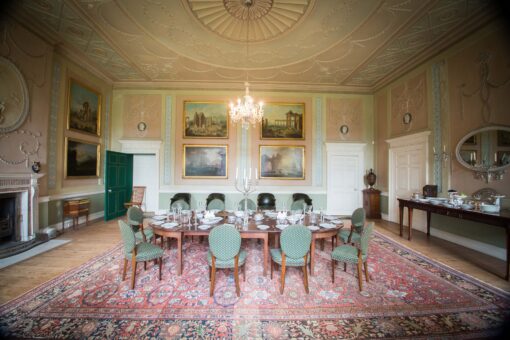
(50, 213)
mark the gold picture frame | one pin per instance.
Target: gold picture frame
(204, 161)
(82, 159)
(83, 108)
(283, 121)
(205, 119)
(286, 162)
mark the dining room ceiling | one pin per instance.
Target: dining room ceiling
(304, 45)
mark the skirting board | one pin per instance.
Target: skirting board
(69, 221)
(489, 249)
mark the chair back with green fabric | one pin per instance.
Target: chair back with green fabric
(135, 217)
(358, 219)
(298, 205)
(365, 238)
(251, 205)
(180, 204)
(224, 242)
(216, 204)
(295, 241)
(128, 237)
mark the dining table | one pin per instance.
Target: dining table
(252, 230)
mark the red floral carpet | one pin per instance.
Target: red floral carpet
(409, 296)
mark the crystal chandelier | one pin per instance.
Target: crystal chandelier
(246, 110)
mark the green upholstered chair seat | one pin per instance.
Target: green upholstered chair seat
(347, 253)
(148, 234)
(227, 263)
(276, 255)
(146, 252)
(344, 236)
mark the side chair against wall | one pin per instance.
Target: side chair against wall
(137, 196)
(215, 201)
(298, 201)
(357, 223)
(266, 201)
(225, 252)
(251, 205)
(137, 252)
(182, 200)
(295, 243)
(357, 254)
(135, 220)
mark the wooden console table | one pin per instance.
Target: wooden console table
(501, 220)
(75, 208)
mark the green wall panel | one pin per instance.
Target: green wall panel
(50, 213)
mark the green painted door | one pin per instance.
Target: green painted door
(118, 183)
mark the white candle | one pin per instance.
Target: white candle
(495, 157)
(256, 173)
(244, 173)
(471, 156)
(237, 172)
(250, 174)
(434, 150)
(444, 148)
(474, 156)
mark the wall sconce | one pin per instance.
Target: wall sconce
(440, 156)
(344, 129)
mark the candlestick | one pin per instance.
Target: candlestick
(237, 172)
(434, 150)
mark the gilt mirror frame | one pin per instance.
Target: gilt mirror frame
(469, 138)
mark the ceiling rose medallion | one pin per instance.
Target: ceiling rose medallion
(255, 9)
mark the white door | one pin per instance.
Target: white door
(345, 177)
(145, 173)
(408, 170)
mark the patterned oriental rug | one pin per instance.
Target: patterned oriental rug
(409, 296)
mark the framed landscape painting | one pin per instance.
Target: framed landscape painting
(283, 121)
(205, 161)
(205, 119)
(81, 159)
(84, 109)
(282, 162)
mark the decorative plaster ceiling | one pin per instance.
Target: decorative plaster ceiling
(309, 45)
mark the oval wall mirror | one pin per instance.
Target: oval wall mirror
(485, 149)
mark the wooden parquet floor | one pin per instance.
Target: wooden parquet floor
(94, 239)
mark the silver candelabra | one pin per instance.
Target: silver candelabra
(246, 185)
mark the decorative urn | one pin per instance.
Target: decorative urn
(371, 177)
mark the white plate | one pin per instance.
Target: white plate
(158, 222)
(263, 227)
(313, 227)
(161, 212)
(212, 220)
(158, 217)
(169, 225)
(327, 225)
(328, 217)
(337, 221)
(281, 226)
(204, 227)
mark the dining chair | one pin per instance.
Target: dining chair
(137, 252)
(182, 200)
(135, 220)
(266, 201)
(225, 252)
(357, 254)
(251, 205)
(299, 200)
(357, 223)
(137, 196)
(294, 251)
(215, 201)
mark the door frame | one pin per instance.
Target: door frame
(420, 139)
(345, 149)
(143, 147)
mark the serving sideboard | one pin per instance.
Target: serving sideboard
(501, 219)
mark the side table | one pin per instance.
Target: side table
(372, 202)
(75, 208)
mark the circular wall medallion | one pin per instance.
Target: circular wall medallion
(14, 101)
(408, 117)
(344, 129)
(142, 126)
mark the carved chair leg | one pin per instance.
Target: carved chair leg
(144, 265)
(244, 272)
(345, 266)
(236, 275)
(360, 276)
(160, 266)
(332, 270)
(125, 268)
(305, 272)
(213, 276)
(282, 287)
(365, 264)
(133, 274)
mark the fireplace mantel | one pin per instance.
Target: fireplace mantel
(27, 185)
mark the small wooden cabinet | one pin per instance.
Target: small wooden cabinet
(75, 208)
(372, 202)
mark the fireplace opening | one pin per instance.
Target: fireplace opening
(7, 218)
